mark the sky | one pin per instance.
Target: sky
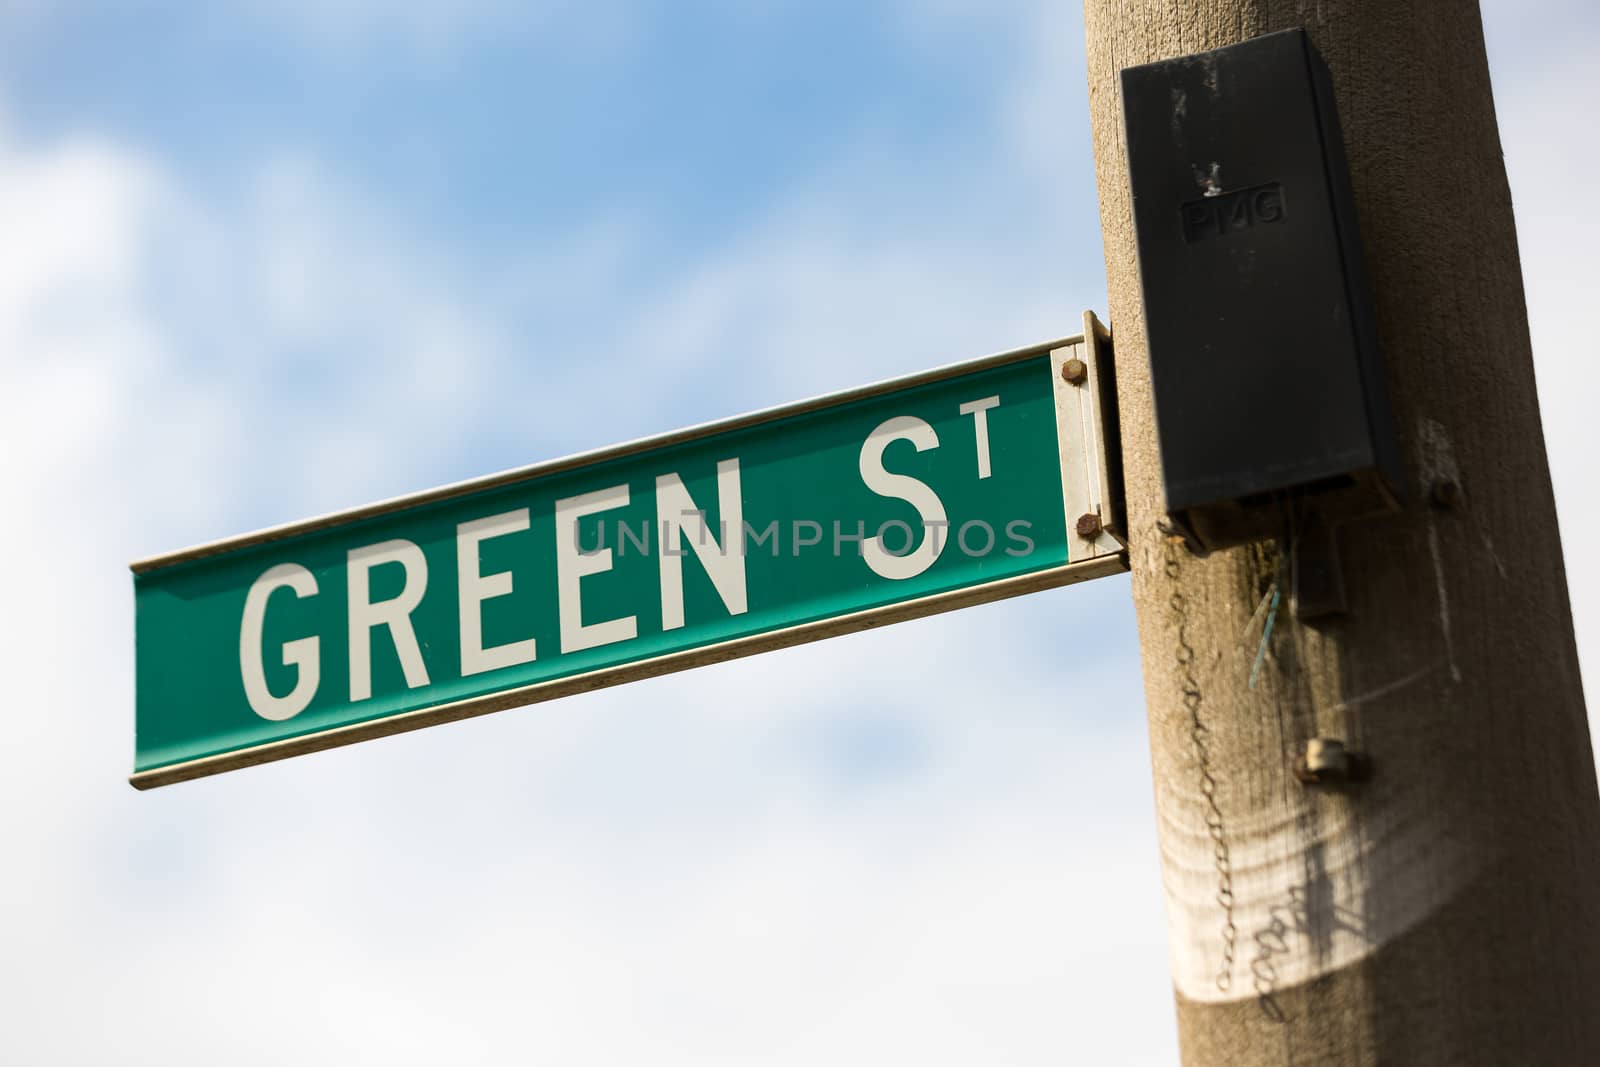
(264, 260)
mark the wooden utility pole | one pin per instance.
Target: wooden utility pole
(1447, 910)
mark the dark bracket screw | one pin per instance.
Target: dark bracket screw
(1444, 495)
(1074, 372)
(1089, 526)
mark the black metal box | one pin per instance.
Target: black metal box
(1269, 387)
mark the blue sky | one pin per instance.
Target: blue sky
(273, 259)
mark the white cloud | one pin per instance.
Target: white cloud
(850, 852)
(725, 865)
(425, 37)
(437, 36)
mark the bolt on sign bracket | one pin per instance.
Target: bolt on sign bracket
(1086, 411)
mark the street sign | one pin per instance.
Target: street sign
(948, 488)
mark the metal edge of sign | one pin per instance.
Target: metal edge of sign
(1076, 492)
(580, 459)
(1085, 489)
(920, 607)
(1107, 426)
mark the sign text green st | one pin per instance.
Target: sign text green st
(944, 489)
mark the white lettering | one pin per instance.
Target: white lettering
(573, 564)
(723, 562)
(475, 587)
(979, 410)
(902, 487)
(395, 613)
(301, 653)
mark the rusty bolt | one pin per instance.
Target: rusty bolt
(1089, 526)
(1074, 372)
(1327, 762)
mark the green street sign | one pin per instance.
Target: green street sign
(953, 487)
